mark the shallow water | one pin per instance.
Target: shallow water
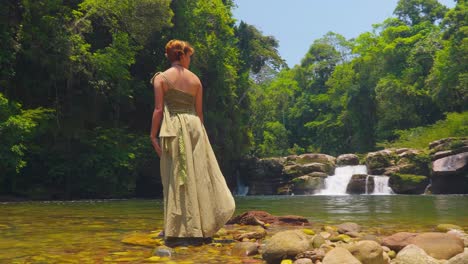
(91, 231)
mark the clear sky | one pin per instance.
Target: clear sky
(297, 23)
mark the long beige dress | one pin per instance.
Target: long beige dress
(197, 201)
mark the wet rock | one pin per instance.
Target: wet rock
(315, 255)
(257, 234)
(348, 227)
(347, 160)
(408, 183)
(303, 261)
(286, 244)
(261, 218)
(461, 258)
(341, 237)
(340, 256)
(358, 182)
(439, 245)
(163, 251)
(412, 254)
(398, 241)
(368, 252)
(318, 241)
(244, 249)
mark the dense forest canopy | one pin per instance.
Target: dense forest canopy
(76, 103)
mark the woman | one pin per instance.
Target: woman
(197, 201)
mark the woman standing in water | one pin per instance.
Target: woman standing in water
(197, 201)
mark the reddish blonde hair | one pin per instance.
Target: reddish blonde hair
(176, 48)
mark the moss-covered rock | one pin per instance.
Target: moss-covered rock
(307, 185)
(377, 161)
(408, 183)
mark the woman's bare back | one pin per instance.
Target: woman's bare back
(183, 79)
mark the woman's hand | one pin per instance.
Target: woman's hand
(156, 146)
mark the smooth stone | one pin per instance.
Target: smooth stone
(303, 261)
(368, 252)
(314, 255)
(462, 235)
(348, 227)
(439, 245)
(398, 241)
(340, 256)
(461, 258)
(309, 232)
(412, 254)
(341, 237)
(285, 244)
(325, 235)
(244, 249)
(318, 241)
(163, 251)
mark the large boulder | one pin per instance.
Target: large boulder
(450, 174)
(348, 227)
(263, 176)
(378, 161)
(360, 184)
(327, 160)
(368, 252)
(307, 184)
(439, 245)
(286, 244)
(412, 254)
(408, 183)
(347, 160)
(303, 169)
(340, 256)
(404, 160)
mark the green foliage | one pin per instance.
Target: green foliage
(352, 93)
(455, 125)
(18, 129)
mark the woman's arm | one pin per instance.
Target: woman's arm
(199, 102)
(157, 113)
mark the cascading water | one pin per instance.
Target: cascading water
(241, 189)
(381, 185)
(336, 184)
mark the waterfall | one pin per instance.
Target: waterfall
(381, 185)
(367, 181)
(337, 183)
(241, 188)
